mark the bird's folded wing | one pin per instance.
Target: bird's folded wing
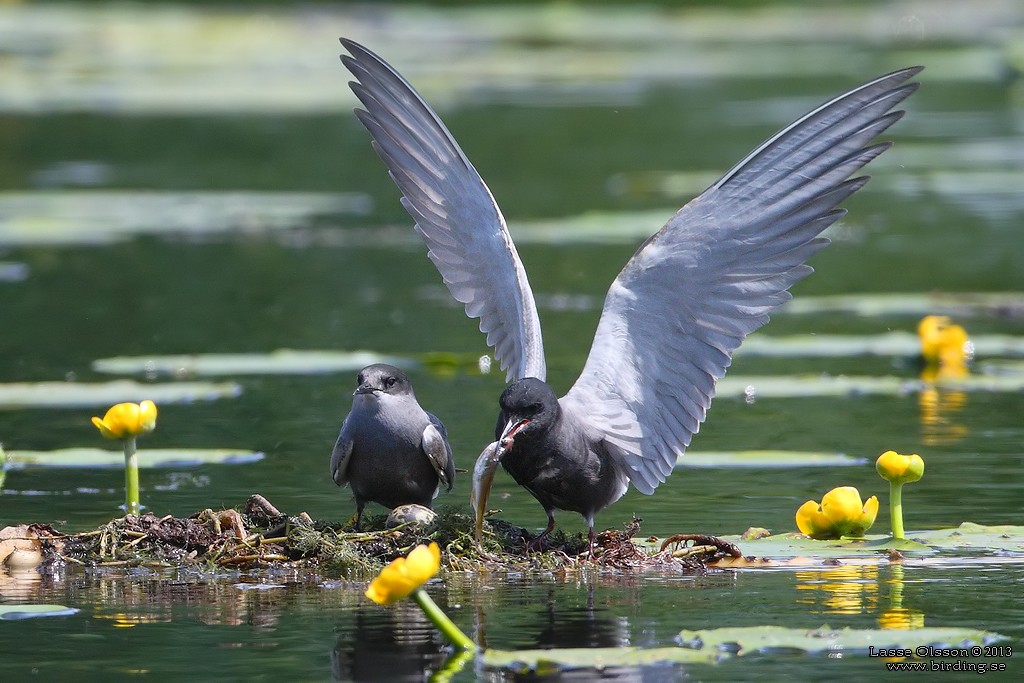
(341, 456)
(454, 211)
(434, 443)
(711, 276)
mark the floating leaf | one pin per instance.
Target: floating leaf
(596, 227)
(280, 362)
(768, 639)
(102, 217)
(148, 458)
(889, 344)
(957, 305)
(218, 60)
(550, 661)
(82, 394)
(804, 386)
(968, 536)
(724, 459)
(605, 227)
(17, 612)
(713, 645)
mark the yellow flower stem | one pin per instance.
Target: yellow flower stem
(455, 663)
(445, 625)
(131, 476)
(896, 509)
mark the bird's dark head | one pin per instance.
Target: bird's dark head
(528, 406)
(383, 378)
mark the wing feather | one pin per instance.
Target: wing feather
(714, 273)
(455, 214)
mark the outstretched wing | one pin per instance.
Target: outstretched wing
(711, 276)
(454, 211)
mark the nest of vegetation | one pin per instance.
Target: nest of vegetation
(258, 535)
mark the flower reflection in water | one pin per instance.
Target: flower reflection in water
(946, 351)
(897, 616)
(853, 589)
(938, 407)
(849, 589)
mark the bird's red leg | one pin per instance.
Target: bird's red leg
(538, 542)
(591, 555)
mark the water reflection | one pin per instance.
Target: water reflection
(859, 590)
(897, 616)
(19, 586)
(939, 406)
(848, 589)
(946, 350)
(142, 596)
(393, 644)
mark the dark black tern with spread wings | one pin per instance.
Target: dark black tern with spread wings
(674, 315)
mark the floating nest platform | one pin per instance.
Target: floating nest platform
(258, 535)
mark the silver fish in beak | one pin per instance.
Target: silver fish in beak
(483, 476)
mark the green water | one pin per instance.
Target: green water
(544, 158)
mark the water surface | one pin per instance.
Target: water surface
(943, 213)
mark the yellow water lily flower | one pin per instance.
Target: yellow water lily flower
(899, 469)
(127, 419)
(404, 575)
(943, 343)
(840, 514)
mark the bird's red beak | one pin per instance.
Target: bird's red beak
(511, 429)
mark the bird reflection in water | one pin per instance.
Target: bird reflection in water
(397, 644)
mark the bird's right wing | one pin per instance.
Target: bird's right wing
(454, 211)
(435, 445)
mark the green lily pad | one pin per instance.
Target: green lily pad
(714, 645)
(726, 459)
(767, 639)
(968, 536)
(889, 344)
(149, 458)
(551, 661)
(18, 612)
(957, 305)
(105, 394)
(595, 227)
(103, 216)
(280, 362)
(805, 386)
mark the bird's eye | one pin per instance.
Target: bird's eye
(391, 382)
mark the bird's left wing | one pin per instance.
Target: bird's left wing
(454, 211)
(342, 454)
(711, 276)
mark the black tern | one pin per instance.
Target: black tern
(672, 318)
(390, 450)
